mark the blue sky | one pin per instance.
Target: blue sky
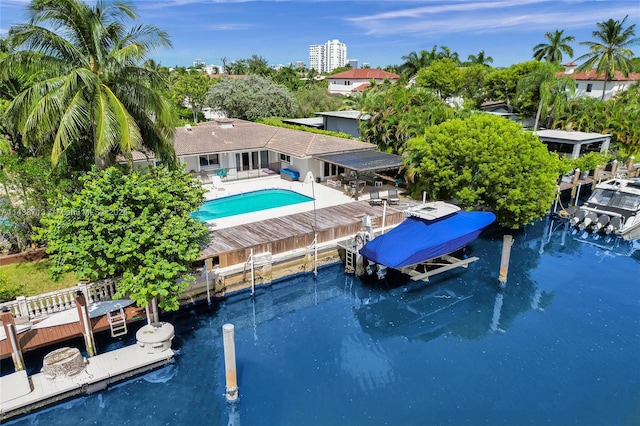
(376, 32)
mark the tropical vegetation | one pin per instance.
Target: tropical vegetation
(134, 226)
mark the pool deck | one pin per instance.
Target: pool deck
(324, 195)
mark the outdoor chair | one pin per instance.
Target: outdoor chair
(393, 197)
(374, 198)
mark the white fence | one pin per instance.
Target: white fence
(34, 307)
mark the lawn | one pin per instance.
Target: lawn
(32, 278)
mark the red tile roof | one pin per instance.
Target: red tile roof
(366, 74)
(591, 75)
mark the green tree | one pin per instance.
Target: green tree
(484, 162)
(400, 113)
(30, 187)
(473, 84)
(95, 91)
(443, 76)
(191, 89)
(256, 97)
(135, 227)
(480, 59)
(315, 98)
(546, 89)
(415, 61)
(502, 84)
(611, 52)
(552, 51)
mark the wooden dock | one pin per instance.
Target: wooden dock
(231, 246)
(41, 337)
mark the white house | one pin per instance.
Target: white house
(591, 84)
(347, 82)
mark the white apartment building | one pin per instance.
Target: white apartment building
(327, 57)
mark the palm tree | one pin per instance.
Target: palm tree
(551, 91)
(94, 93)
(552, 51)
(480, 59)
(415, 61)
(612, 52)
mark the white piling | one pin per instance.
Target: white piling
(507, 242)
(230, 361)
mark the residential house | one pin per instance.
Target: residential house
(591, 84)
(239, 149)
(347, 82)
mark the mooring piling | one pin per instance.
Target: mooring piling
(230, 361)
(507, 242)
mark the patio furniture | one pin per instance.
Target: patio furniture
(288, 174)
(393, 197)
(374, 198)
(334, 183)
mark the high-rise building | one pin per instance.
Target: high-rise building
(327, 57)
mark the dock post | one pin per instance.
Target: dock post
(630, 166)
(574, 187)
(614, 168)
(596, 174)
(230, 361)
(85, 322)
(12, 336)
(507, 242)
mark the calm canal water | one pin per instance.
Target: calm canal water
(559, 346)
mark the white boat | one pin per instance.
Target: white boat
(612, 208)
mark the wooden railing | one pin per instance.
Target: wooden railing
(34, 307)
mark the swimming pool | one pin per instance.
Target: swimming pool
(559, 346)
(249, 202)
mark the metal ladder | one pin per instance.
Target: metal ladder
(117, 322)
(350, 261)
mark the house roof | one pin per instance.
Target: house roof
(551, 135)
(368, 161)
(365, 74)
(351, 114)
(592, 75)
(243, 135)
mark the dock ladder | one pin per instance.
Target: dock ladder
(117, 322)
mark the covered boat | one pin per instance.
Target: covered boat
(423, 242)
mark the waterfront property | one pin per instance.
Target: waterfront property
(557, 346)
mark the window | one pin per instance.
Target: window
(285, 157)
(209, 160)
(589, 87)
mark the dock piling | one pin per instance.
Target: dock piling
(230, 361)
(10, 330)
(507, 242)
(85, 321)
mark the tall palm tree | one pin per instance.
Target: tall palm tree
(551, 91)
(611, 53)
(95, 93)
(480, 59)
(552, 51)
(415, 61)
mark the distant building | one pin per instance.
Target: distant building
(299, 64)
(353, 63)
(352, 81)
(327, 57)
(590, 84)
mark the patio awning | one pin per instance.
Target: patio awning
(363, 161)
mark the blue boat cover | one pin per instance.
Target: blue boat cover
(416, 240)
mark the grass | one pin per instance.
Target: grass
(33, 278)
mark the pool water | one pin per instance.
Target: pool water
(249, 202)
(560, 345)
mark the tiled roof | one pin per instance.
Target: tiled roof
(365, 74)
(245, 135)
(591, 75)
